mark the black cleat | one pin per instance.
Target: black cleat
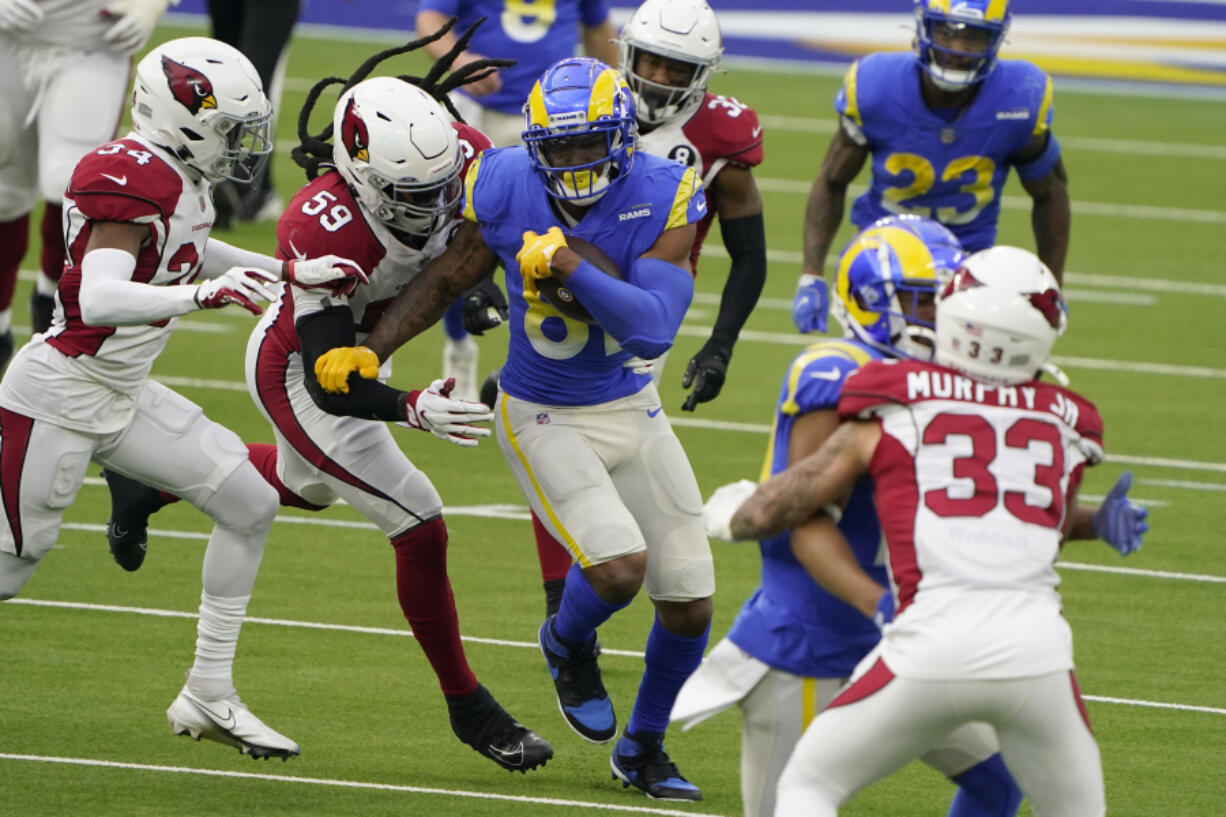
(42, 308)
(482, 723)
(489, 389)
(582, 697)
(639, 760)
(127, 531)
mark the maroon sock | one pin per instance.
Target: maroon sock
(427, 602)
(14, 238)
(53, 254)
(555, 558)
(264, 457)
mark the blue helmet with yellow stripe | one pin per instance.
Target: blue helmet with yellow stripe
(885, 289)
(580, 129)
(956, 41)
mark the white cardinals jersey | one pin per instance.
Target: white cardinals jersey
(719, 131)
(973, 485)
(73, 23)
(91, 374)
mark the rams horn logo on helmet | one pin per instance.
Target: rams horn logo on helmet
(190, 87)
(353, 133)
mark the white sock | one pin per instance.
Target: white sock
(45, 286)
(212, 675)
(6, 320)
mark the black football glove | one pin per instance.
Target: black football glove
(706, 372)
(484, 307)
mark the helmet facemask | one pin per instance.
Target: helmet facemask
(580, 167)
(957, 51)
(245, 147)
(659, 102)
(412, 207)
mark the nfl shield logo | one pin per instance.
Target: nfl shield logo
(542, 419)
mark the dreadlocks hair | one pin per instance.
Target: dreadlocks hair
(315, 151)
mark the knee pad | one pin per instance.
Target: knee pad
(244, 501)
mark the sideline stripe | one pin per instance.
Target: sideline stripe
(355, 784)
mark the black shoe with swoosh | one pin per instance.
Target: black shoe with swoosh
(482, 723)
(127, 531)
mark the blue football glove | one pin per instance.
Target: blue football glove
(1117, 521)
(810, 304)
(885, 609)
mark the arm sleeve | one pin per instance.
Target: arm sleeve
(109, 296)
(642, 316)
(368, 399)
(745, 240)
(220, 256)
(1041, 165)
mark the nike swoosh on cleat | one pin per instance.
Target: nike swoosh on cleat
(513, 758)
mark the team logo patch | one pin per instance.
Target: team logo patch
(190, 87)
(1050, 304)
(542, 419)
(353, 133)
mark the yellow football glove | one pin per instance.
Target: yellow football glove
(333, 367)
(536, 254)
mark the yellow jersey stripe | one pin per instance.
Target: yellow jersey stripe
(567, 539)
(996, 11)
(765, 473)
(681, 202)
(848, 351)
(849, 87)
(808, 701)
(470, 182)
(1040, 125)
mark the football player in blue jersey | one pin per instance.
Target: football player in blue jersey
(942, 126)
(794, 644)
(578, 418)
(534, 35)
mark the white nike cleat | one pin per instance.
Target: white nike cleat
(228, 721)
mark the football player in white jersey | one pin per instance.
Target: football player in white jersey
(385, 192)
(978, 464)
(137, 215)
(64, 68)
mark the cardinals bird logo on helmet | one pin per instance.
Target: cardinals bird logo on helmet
(353, 133)
(190, 87)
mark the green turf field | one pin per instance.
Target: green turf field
(92, 656)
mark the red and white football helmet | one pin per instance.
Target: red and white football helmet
(202, 100)
(396, 148)
(682, 30)
(999, 316)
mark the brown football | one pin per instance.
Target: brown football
(555, 293)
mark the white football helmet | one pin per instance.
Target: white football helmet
(202, 100)
(682, 30)
(999, 316)
(396, 147)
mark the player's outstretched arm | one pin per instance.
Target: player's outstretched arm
(1118, 521)
(740, 222)
(793, 497)
(1051, 217)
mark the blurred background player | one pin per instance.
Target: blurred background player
(261, 30)
(64, 70)
(795, 644)
(535, 36)
(979, 466)
(579, 423)
(387, 192)
(138, 213)
(942, 126)
(669, 50)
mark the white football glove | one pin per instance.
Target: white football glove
(717, 513)
(339, 276)
(434, 410)
(134, 23)
(238, 285)
(19, 15)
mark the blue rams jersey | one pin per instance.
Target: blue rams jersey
(536, 34)
(790, 622)
(951, 170)
(554, 359)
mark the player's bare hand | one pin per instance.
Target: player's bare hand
(19, 15)
(134, 23)
(536, 254)
(333, 367)
(484, 86)
(238, 285)
(337, 275)
(436, 411)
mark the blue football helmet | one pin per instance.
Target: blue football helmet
(979, 26)
(580, 129)
(888, 277)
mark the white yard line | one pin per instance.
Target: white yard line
(356, 784)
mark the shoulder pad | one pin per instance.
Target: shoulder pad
(472, 143)
(124, 181)
(324, 218)
(727, 129)
(817, 374)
